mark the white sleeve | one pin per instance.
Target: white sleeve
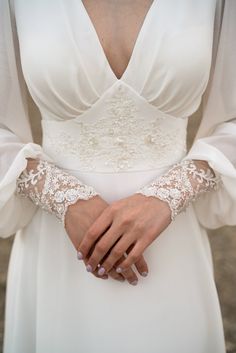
(215, 141)
(16, 143)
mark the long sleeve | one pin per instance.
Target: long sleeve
(215, 141)
(206, 176)
(45, 185)
(16, 143)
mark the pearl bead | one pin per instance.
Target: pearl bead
(120, 130)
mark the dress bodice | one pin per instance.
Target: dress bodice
(67, 71)
(98, 121)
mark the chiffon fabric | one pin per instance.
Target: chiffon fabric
(116, 135)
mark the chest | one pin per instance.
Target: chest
(117, 24)
(65, 55)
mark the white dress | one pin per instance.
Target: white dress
(116, 135)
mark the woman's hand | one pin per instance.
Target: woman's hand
(131, 223)
(78, 220)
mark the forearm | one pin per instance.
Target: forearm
(183, 184)
(51, 188)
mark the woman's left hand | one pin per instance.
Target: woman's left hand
(130, 223)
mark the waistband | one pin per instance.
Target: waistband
(122, 133)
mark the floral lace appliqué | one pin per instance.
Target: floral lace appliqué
(120, 140)
(52, 189)
(181, 185)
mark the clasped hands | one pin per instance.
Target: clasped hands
(103, 234)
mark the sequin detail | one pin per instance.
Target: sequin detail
(119, 140)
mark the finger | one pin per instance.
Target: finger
(88, 266)
(85, 260)
(95, 273)
(114, 274)
(95, 231)
(141, 264)
(132, 257)
(116, 253)
(103, 247)
(131, 276)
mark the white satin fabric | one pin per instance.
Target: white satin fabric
(184, 54)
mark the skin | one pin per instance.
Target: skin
(119, 22)
(135, 221)
(79, 219)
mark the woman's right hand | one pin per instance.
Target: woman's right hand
(79, 217)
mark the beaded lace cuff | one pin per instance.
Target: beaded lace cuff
(52, 189)
(182, 184)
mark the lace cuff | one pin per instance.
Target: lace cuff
(52, 189)
(182, 184)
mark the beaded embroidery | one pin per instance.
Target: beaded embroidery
(120, 140)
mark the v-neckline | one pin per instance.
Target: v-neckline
(140, 35)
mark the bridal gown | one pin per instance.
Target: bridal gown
(116, 135)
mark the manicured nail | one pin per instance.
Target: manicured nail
(144, 274)
(119, 270)
(101, 271)
(89, 268)
(79, 255)
(134, 283)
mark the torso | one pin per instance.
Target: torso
(117, 24)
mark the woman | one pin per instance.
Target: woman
(115, 84)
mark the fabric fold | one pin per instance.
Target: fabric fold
(16, 142)
(215, 140)
(16, 212)
(217, 208)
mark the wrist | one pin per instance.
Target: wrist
(182, 184)
(85, 210)
(52, 189)
(153, 202)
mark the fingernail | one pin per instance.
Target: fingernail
(101, 271)
(89, 268)
(105, 277)
(79, 255)
(119, 270)
(144, 274)
(134, 283)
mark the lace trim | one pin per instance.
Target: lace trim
(182, 184)
(52, 189)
